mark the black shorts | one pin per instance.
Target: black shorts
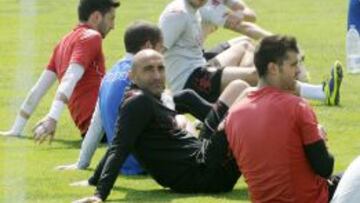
(206, 82)
(215, 169)
(211, 53)
(215, 172)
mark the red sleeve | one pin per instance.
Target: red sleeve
(87, 49)
(307, 123)
(51, 65)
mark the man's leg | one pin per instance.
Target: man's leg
(328, 92)
(239, 54)
(333, 183)
(230, 74)
(218, 112)
(206, 82)
(211, 53)
(220, 171)
(242, 9)
(249, 29)
(93, 180)
(188, 101)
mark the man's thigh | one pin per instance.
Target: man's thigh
(206, 81)
(216, 50)
(221, 172)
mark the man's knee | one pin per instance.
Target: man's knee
(233, 21)
(237, 85)
(253, 77)
(249, 15)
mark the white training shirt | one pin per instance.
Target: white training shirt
(348, 190)
(181, 28)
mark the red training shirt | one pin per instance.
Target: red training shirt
(267, 133)
(82, 46)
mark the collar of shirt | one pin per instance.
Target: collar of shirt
(134, 86)
(83, 25)
(128, 56)
(264, 90)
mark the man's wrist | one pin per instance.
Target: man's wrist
(56, 109)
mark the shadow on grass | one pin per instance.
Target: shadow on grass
(166, 195)
(323, 105)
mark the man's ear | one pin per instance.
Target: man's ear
(95, 17)
(148, 45)
(272, 68)
(132, 75)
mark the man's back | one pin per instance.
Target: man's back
(180, 25)
(267, 133)
(111, 94)
(81, 46)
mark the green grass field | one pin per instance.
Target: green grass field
(30, 28)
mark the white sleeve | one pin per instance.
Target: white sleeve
(31, 101)
(91, 140)
(172, 25)
(45, 81)
(66, 87)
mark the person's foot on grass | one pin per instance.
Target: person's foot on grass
(332, 86)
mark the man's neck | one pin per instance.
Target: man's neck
(191, 6)
(135, 86)
(89, 24)
(265, 82)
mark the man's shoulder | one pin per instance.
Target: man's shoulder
(137, 96)
(175, 8)
(90, 34)
(123, 65)
(293, 99)
(83, 33)
(119, 71)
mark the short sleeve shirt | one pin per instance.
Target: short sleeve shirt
(181, 28)
(82, 46)
(267, 133)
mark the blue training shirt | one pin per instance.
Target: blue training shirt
(111, 94)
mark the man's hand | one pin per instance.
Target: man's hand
(322, 132)
(67, 167)
(9, 133)
(43, 129)
(233, 20)
(92, 199)
(183, 123)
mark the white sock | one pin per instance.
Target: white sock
(312, 92)
(19, 125)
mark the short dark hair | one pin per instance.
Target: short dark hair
(138, 33)
(87, 7)
(273, 49)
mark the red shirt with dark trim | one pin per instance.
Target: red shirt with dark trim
(267, 133)
(82, 46)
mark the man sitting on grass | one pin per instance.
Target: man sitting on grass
(274, 135)
(171, 155)
(139, 35)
